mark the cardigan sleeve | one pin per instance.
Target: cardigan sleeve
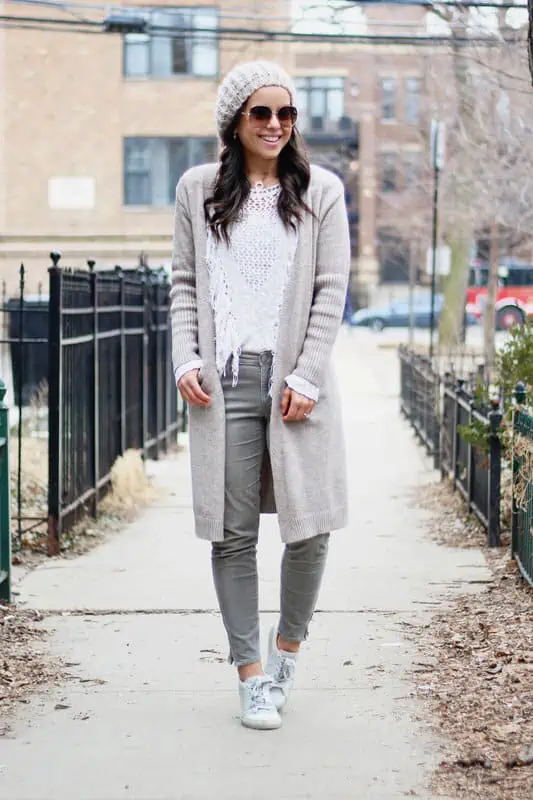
(331, 283)
(183, 308)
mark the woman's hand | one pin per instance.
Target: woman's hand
(295, 407)
(191, 391)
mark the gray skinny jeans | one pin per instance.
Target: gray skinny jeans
(234, 560)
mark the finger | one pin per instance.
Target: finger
(198, 397)
(198, 392)
(193, 394)
(292, 411)
(285, 401)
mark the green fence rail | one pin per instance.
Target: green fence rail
(5, 514)
(522, 539)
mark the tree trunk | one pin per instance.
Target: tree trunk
(530, 37)
(489, 316)
(452, 317)
(451, 323)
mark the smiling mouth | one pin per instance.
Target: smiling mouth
(271, 139)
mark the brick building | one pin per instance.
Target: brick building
(380, 89)
(95, 130)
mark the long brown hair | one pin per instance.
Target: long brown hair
(232, 186)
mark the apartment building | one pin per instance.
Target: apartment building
(95, 129)
(379, 89)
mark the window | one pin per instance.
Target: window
(173, 48)
(388, 99)
(412, 100)
(516, 276)
(320, 100)
(388, 172)
(152, 167)
(412, 164)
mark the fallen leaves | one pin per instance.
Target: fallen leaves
(24, 663)
(481, 682)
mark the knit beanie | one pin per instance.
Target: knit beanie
(243, 81)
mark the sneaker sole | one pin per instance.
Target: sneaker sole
(262, 725)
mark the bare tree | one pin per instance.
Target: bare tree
(481, 92)
(530, 37)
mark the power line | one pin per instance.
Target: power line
(433, 3)
(259, 34)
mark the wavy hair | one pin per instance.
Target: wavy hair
(232, 186)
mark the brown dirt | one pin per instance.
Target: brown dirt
(25, 662)
(478, 673)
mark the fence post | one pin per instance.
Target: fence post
(22, 366)
(520, 396)
(168, 369)
(458, 390)
(495, 468)
(156, 379)
(144, 410)
(96, 391)
(5, 501)
(123, 443)
(55, 392)
(470, 460)
(435, 420)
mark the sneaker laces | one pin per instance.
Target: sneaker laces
(258, 696)
(284, 669)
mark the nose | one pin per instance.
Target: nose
(274, 122)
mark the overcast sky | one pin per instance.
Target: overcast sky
(323, 16)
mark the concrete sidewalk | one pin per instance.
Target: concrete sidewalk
(152, 707)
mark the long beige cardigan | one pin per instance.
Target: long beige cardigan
(304, 479)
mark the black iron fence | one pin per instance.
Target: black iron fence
(94, 354)
(474, 468)
(24, 365)
(111, 386)
(522, 523)
(419, 396)
(437, 407)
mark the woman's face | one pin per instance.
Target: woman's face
(265, 139)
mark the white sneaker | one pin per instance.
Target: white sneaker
(281, 667)
(257, 708)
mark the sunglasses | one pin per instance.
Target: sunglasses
(286, 115)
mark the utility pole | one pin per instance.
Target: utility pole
(437, 162)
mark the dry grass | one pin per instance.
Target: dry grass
(131, 490)
(34, 489)
(478, 678)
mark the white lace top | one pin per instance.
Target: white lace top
(247, 280)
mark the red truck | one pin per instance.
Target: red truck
(514, 301)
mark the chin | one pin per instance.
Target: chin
(268, 152)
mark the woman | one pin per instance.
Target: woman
(259, 274)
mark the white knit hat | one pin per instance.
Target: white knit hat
(243, 81)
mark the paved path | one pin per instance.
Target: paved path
(152, 707)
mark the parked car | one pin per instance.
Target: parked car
(396, 314)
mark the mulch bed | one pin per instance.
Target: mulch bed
(477, 670)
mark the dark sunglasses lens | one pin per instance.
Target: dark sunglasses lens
(260, 113)
(288, 114)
